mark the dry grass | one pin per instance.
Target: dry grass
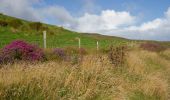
(93, 79)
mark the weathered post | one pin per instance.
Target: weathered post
(97, 44)
(79, 42)
(44, 39)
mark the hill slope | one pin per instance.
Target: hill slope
(12, 28)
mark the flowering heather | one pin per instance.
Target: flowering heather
(60, 53)
(82, 51)
(20, 50)
(152, 47)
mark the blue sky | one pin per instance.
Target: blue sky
(150, 8)
(134, 19)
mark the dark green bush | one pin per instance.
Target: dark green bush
(38, 26)
(15, 23)
(104, 50)
(3, 23)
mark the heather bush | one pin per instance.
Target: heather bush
(82, 51)
(75, 55)
(60, 53)
(20, 50)
(155, 47)
(117, 55)
(74, 50)
(71, 50)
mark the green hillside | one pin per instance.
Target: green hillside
(12, 28)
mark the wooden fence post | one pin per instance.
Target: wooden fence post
(97, 44)
(44, 39)
(79, 43)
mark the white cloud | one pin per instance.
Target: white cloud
(25, 9)
(112, 22)
(157, 29)
(58, 14)
(20, 8)
(108, 19)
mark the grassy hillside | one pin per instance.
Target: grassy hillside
(56, 36)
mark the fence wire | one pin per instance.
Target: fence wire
(50, 43)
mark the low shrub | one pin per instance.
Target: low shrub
(3, 23)
(104, 50)
(60, 53)
(82, 51)
(15, 23)
(75, 55)
(20, 50)
(154, 47)
(117, 55)
(38, 26)
(74, 50)
(71, 50)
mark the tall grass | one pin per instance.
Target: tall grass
(94, 78)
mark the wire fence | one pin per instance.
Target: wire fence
(50, 43)
(53, 42)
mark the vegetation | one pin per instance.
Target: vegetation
(152, 47)
(15, 23)
(20, 50)
(3, 23)
(127, 70)
(117, 55)
(144, 76)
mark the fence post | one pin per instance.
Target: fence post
(44, 39)
(79, 43)
(97, 44)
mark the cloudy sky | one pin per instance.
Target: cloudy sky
(134, 19)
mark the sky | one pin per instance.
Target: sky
(132, 19)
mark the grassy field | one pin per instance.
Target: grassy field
(144, 76)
